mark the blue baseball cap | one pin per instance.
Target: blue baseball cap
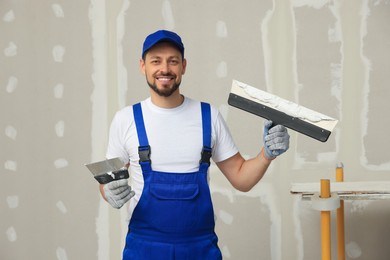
(162, 36)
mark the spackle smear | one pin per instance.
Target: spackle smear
(58, 90)
(13, 202)
(11, 50)
(353, 250)
(60, 128)
(60, 163)
(9, 16)
(11, 132)
(61, 207)
(12, 84)
(222, 70)
(285, 106)
(222, 30)
(11, 165)
(58, 53)
(168, 15)
(61, 254)
(57, 9)
(11, 234)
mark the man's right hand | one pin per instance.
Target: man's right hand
(117, 193)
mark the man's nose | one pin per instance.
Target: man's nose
(164, 67)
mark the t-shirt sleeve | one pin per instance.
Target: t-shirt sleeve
(224, 146)
(116, 138)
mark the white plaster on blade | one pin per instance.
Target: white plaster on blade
(222, 70)
(9, 16)
(58, 53)
(60, 128)
(353, 250)
(13, 201)
(58, 90)
(11, 132)
(57, 10)
(11, 234)
(12, 84)
(167, 15)
(61, 207)
(221, 29)
(61, 254)
(11, 165)
(61, 163)
(11, 50)
(285, 106)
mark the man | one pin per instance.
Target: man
(167, 141)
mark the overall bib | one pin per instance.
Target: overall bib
(174, 218)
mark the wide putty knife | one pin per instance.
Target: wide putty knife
(108, 170)
(281, 111)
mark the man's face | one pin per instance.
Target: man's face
(163, 67)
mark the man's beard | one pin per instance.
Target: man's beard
(164, 92)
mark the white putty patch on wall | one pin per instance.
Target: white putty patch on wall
(11, 165)
(226, 217)
(11, 132)
(13, 201)
(226, 252)
(97, 18)
(58, 90)
(317, 4)
(358, 206)
(353, 250)
(222, 70)
(11, 50)
(12, 84)
(57, 10)
(11, 234)
(61, 163)
(61, 207)
(61, 254)
(60, 128)
(167, 15)
(9, 16)
(58, 53)
(221, 29)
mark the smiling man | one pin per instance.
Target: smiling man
(167, 141)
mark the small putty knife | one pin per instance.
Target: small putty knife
(108, 170)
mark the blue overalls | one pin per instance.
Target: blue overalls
(174, 218)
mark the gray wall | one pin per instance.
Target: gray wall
(67, 66)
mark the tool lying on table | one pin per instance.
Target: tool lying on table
(281, 111)
(108, 170)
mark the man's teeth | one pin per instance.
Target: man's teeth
(164, 79)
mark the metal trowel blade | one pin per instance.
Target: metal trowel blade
(103, 167)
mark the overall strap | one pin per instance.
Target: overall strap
(144, 147)
(206, 126)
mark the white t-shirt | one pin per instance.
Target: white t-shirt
(175, 137)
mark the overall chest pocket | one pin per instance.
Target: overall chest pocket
(176, 199)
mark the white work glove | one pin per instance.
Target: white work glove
(117, 193)
(276, 140)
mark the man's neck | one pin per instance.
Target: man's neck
(174, 100)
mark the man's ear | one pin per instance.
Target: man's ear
(142, 65)
(184, 66)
